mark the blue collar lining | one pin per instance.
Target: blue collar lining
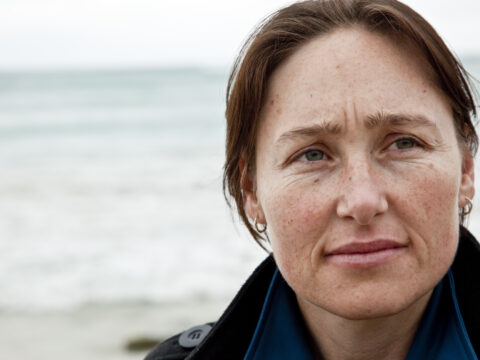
(459, 318)
(261, 323)
(280, 332)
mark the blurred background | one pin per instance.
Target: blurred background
(113, 227)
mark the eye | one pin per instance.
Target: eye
(314, 155)
(404, 144)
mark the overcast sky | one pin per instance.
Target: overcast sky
(124, 33)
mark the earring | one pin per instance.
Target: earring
(261, 228)
(467, 209)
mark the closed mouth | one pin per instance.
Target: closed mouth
(365, 255)
(365, 247)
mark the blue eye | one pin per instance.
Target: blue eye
(405, 143)
(314, 155)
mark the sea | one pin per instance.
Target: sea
(113, 225)
(110, 188)
(111, 202)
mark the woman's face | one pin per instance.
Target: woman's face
(359, 175)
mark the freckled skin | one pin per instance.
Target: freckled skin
(365, 189)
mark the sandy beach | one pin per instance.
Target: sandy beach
(97, 332)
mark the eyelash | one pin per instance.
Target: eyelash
(304, 153)
(415, 143)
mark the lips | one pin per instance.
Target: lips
(364, 255)
(366, 247)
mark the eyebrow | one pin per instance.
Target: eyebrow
(382, 119)
(310, 131)
(378, 120)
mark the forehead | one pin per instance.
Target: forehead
(351, 73)
(347, 55)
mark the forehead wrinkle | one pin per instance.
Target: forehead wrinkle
(350, 112)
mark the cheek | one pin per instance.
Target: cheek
(297, 216)
(428, 207)
(430, 196)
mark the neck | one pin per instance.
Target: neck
(386, 337)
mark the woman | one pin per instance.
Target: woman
(350, 151)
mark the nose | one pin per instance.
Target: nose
(362, 197)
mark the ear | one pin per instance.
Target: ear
(251, 203)
(467, 182)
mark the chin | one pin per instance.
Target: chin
(368, 312)
(372, 306)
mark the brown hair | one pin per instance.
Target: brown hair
(280, 34)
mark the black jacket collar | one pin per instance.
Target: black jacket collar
(466, 273)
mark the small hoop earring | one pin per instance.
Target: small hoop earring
(467, 209)
(259, 227)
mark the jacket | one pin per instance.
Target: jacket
(230, 336)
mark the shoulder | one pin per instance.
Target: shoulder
(179, 346)
(231, 335)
